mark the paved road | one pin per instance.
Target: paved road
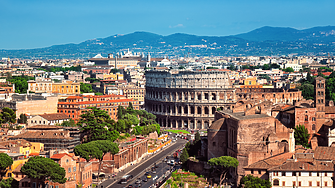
(140, 168)
(161, 170)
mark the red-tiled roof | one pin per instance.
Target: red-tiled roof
(55, 116)
(95, 102)
(59, 156)
(315, 166)
(34, 154)
(324, 153)
(330, 110)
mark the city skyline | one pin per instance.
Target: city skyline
(37, 24)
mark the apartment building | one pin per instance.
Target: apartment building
(74, 106)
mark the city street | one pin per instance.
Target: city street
(138, 170)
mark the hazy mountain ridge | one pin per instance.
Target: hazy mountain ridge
(262, 41)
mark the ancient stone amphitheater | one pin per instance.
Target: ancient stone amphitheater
(187, 99)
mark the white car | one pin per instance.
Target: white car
(172, 162)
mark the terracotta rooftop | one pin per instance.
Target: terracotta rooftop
(34, 154)
(55, 116)
(44, 135)
(271, 161)
(12, 143)
(39, 127)
(95, 102)
(59, 156)
(297, 166)
(324, 153)
(330, 110)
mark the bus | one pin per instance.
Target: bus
(126, 178)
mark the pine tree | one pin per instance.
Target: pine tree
(301, 135)
(197, 137)
(184, 156)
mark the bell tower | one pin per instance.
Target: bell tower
(319, 100)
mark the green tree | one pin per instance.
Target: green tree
(121, 112)
(197, 137)
(9, 183)
(301, 135)
(250, 181)
(96, 124)
(181, 67)
(21, 84)
(184, 156)
(105, 146)
(43, 169)
(22, 119)
(309, 78)
(115, 71)
(5, 161)
(232, 67)
(266, 67)
(70, 123)
(288, 69)
(86, 88)
(87, 151)
(307, 90)
(7, 116)
(330, 88)
(225, 163)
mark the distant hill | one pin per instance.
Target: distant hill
(262, 41)
(315, 34)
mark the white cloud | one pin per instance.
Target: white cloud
(177, 26)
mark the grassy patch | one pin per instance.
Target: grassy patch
(178, 131)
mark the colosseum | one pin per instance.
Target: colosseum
(189, 99)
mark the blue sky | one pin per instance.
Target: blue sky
(33, 24)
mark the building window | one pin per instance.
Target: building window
(276, 182)
(283, 173)
(299, 174)
(306, 117)
(259, 172)
(313, 127)
(318, 184)
(69, 170)
(310, 183)
(317, 174)
(326, 184)
(325, 173)
(294, 174)
(74, 169)
(252, 171)
(283, 183)
(294, 184)
(310, 173)
(299, 183)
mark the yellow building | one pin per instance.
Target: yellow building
(18, 161)
(22, 146)
(66, 87)
(112, 76)
(132, 92)
(250, 81)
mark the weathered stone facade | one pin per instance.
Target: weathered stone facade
(250, 135)
(187, 98)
